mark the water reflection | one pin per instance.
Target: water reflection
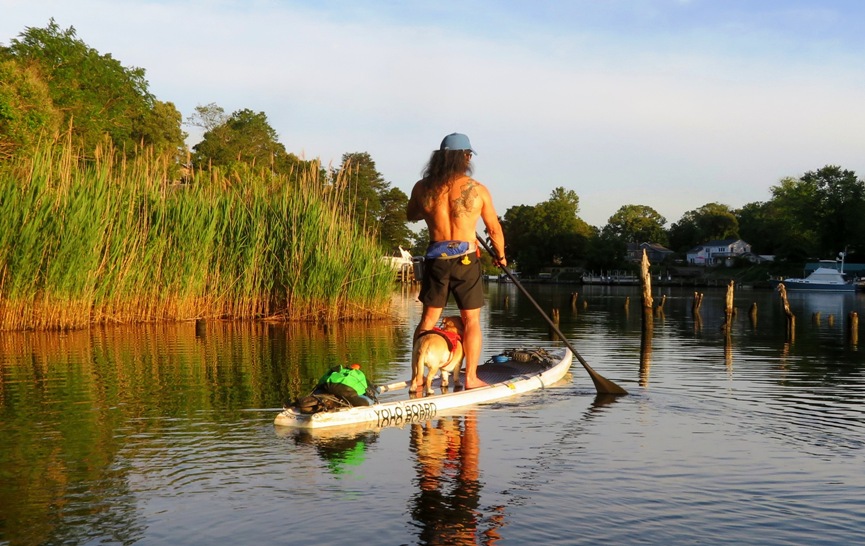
(164, 434)
(341, 452)
(78, 408)
(646, 347)
(446, 505)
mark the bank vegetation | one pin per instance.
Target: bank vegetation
(114, 239)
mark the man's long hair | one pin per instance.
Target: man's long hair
(444, 166)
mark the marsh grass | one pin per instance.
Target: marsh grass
(116, 242)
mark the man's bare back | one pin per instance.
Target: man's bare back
(452, 213)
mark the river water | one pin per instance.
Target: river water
(164, 434)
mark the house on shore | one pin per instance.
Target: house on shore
(655, 252)
(718, 252)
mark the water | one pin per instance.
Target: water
(164, 434)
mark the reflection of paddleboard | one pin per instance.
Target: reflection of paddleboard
(522, 371)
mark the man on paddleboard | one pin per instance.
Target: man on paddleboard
(451, 202)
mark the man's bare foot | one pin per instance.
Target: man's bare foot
(475, 384)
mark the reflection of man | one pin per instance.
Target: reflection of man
(451, 202)
(447, 502)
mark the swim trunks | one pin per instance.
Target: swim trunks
(460, 276)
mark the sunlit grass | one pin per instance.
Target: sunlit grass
(121, 243)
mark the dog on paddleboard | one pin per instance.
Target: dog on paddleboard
(439, 349)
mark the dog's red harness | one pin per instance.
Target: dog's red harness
(452, 338)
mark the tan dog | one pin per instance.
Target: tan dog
(431, 351)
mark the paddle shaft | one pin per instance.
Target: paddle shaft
(392, 387)
(602, 385)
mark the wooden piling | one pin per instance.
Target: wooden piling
(791, 318)
(646, 282)
(554, 316)
(728, 309)
(853, 327)
(698, 301)
(574, 296)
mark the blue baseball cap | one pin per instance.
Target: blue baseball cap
(457, 141)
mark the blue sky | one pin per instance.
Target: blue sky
(667, 103)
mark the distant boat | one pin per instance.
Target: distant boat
(825, 278)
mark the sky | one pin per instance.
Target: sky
(671, 104)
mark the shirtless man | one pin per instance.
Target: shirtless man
(450, 202)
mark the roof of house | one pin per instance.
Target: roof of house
(716, 242)
(657, 247)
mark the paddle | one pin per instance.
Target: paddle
(602, 385)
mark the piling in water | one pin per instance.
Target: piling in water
(791, 318)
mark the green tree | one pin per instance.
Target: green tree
(523, 239)
(710, 222)
(420, 241)
(637, 224)
(758, 226)
(245, 137)
(161, 129)
(363, 187)
(793, 205)
(96, 94)
(840, 212)
(547, 234)
(376, 206)
(207, 117)
(606, 251)
(393, 228)
(817, 215)
(26, 110)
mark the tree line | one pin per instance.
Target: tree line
(56, 86)
(815, 216)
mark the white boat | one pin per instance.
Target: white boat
(507, 375)
(825, 278)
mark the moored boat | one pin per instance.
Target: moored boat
(825, 278)
(509, 374)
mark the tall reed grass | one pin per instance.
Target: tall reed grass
(116, 242)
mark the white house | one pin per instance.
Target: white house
(719, 252)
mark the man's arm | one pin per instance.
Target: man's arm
(494, 228)
(413, 211)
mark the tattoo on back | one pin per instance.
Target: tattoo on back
(462, 205)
